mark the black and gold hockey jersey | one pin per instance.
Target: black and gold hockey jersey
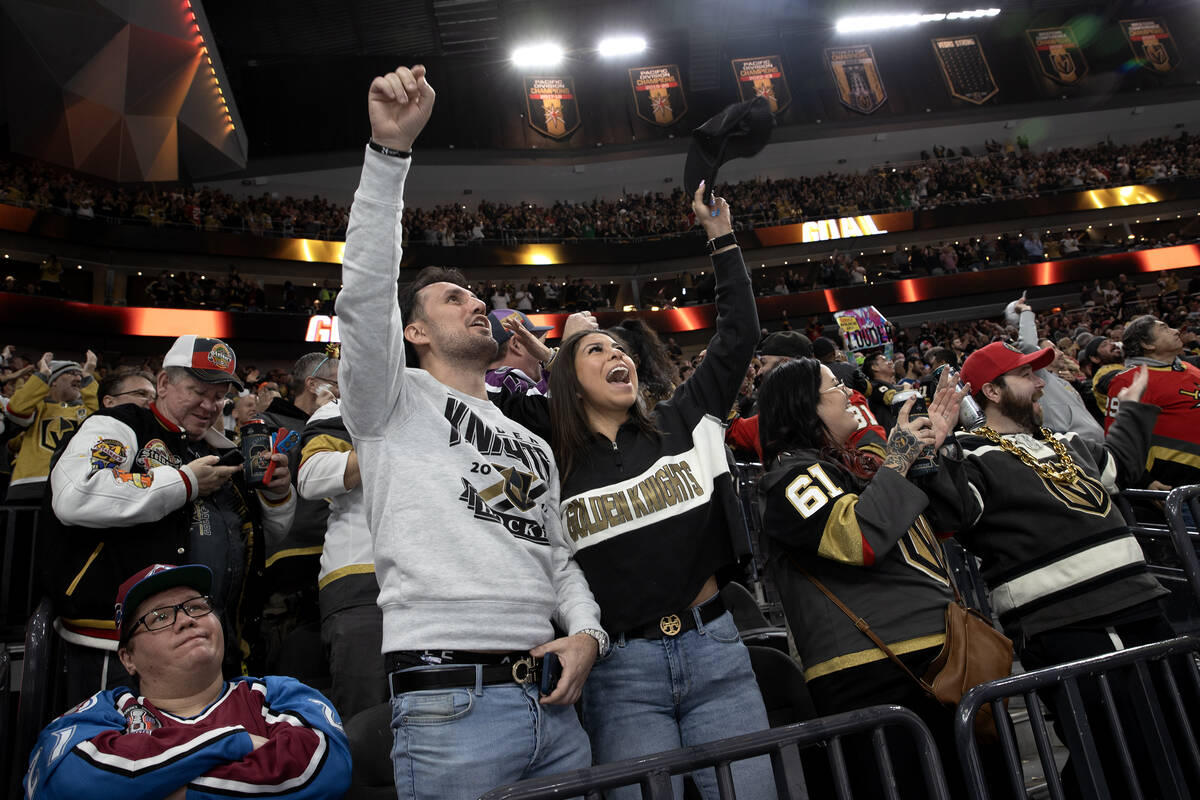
(869, 544)
(1053, 552)
(46, 424)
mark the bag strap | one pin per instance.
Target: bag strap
(862, 624)
(958, 598)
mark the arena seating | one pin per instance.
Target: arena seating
(370, 735)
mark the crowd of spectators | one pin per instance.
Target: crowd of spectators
(1103, 309)
(234, 292)
(1001, 173)
(36, 184)
(109, 369)
(1103, 306)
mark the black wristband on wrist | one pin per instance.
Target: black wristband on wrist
(721, 241)
(387, 151)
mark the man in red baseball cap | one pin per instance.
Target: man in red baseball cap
(143, 484)
(989, 367)
(1067, 578)
(184, 729)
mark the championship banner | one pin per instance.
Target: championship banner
(968, 76)
(762, 77)
(857, 77)
(864, 329)
(658, 94)
(1152, 44)
(1058, 54)
(551, 106)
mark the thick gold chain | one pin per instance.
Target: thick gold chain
(1063, 472)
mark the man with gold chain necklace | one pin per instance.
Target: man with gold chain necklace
(1067, 578)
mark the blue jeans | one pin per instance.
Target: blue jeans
(456, 744)
(649, 696)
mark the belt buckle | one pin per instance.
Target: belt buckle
(522, 670)
(670, 625)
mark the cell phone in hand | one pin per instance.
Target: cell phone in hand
(551, 672)
(231, 458)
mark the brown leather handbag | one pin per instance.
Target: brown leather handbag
(974, 653)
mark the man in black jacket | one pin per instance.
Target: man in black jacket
(137, 485)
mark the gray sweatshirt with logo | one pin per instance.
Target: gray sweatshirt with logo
(461, 501)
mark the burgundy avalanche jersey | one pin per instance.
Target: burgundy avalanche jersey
(115, 744)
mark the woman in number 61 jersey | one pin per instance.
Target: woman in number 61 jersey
(853, 521)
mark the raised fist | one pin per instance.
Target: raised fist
(399, 104)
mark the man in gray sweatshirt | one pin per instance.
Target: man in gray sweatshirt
(474, 573)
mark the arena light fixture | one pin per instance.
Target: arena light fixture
(621, 46)
(876, 22)
(540, 54)
(194, 24)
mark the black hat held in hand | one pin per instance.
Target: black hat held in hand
(740, 131)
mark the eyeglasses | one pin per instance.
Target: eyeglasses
(142, 393)
(837, 387)
(159, 618)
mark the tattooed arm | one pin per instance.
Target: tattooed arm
(906, 439)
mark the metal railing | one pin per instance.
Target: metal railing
(1183, 538)
(1167, 755)
(653, 773)
(9, 760)
(39, 673)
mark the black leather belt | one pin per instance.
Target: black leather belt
(521, 670)
(672, 625)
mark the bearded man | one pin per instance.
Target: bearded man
(1067, 578)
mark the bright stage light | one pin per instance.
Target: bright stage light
(542, 54)
(975, 14)
(621, 46)
(875, 22)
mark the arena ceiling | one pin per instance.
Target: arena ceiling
(293, 71)
(279, 29)
(320, 53)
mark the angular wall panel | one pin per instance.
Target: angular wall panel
(103, 86)
(87, 124)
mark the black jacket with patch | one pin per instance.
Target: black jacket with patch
(114, 465)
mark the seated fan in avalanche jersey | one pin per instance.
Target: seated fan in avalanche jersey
(179, 728)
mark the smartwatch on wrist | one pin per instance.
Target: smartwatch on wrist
(388, 151)
(724, 240)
